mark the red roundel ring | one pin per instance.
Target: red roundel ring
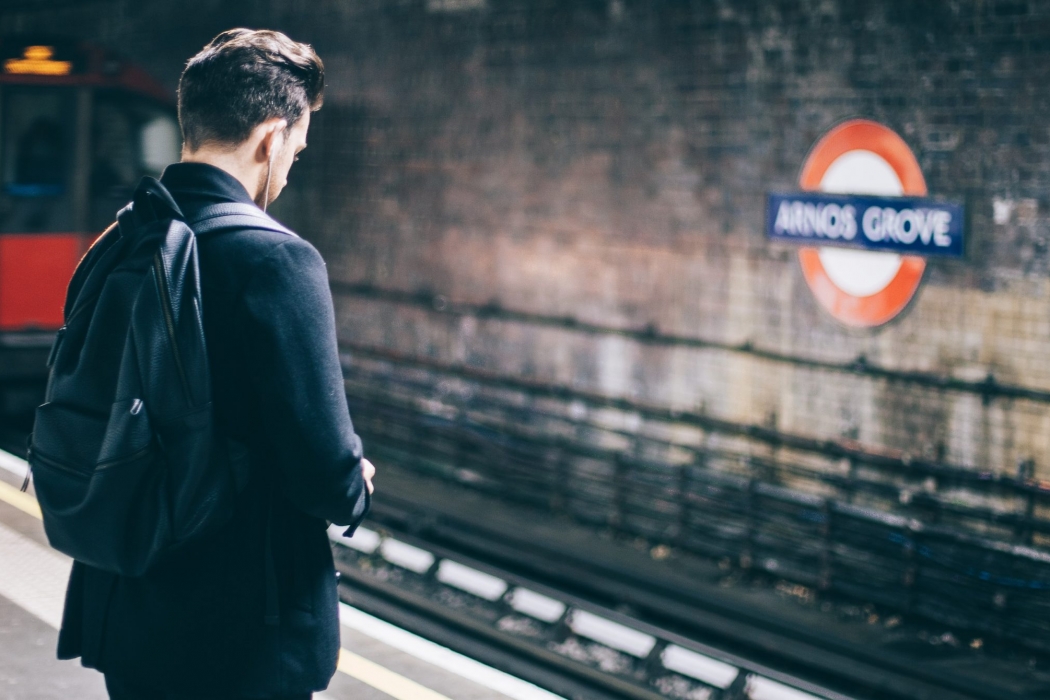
(882, 306)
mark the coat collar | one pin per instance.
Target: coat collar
(204, 180)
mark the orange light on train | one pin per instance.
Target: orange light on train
(37, 60)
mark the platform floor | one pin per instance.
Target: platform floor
(379, 661)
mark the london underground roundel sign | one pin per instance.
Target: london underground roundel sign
(868, 284)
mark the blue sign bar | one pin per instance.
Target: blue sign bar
(908, 225)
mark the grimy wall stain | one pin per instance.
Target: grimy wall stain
(607, 160)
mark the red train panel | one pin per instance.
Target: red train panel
(34, 272)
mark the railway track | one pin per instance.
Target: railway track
(589, 634)
(565, 644)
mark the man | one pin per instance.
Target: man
(251, 610)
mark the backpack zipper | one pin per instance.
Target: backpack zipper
(83, 305)
(124, 460)
(165, 302)
(54, 346)
(55, 464)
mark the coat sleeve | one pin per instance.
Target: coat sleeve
(294, 365)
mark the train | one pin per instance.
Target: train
(79, 126)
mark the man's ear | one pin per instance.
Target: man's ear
(273, 131)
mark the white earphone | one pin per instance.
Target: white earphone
(269, 169)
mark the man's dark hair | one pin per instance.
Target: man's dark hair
(242, 78)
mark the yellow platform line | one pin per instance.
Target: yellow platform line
(358, 667)
(383, 679)
(22, 501)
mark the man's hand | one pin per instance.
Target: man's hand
(368, 471)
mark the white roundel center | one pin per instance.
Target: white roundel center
(860, 273)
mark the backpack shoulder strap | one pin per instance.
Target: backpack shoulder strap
(234, 215)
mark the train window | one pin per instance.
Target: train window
(161, 142)
(36, 138)
(131, 137)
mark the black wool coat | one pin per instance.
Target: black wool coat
(201, 621)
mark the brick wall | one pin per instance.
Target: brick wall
(607, 160)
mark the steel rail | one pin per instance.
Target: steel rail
(815, 668)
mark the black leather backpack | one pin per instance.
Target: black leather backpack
(124, 456)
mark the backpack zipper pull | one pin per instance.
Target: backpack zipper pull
(29, 466)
